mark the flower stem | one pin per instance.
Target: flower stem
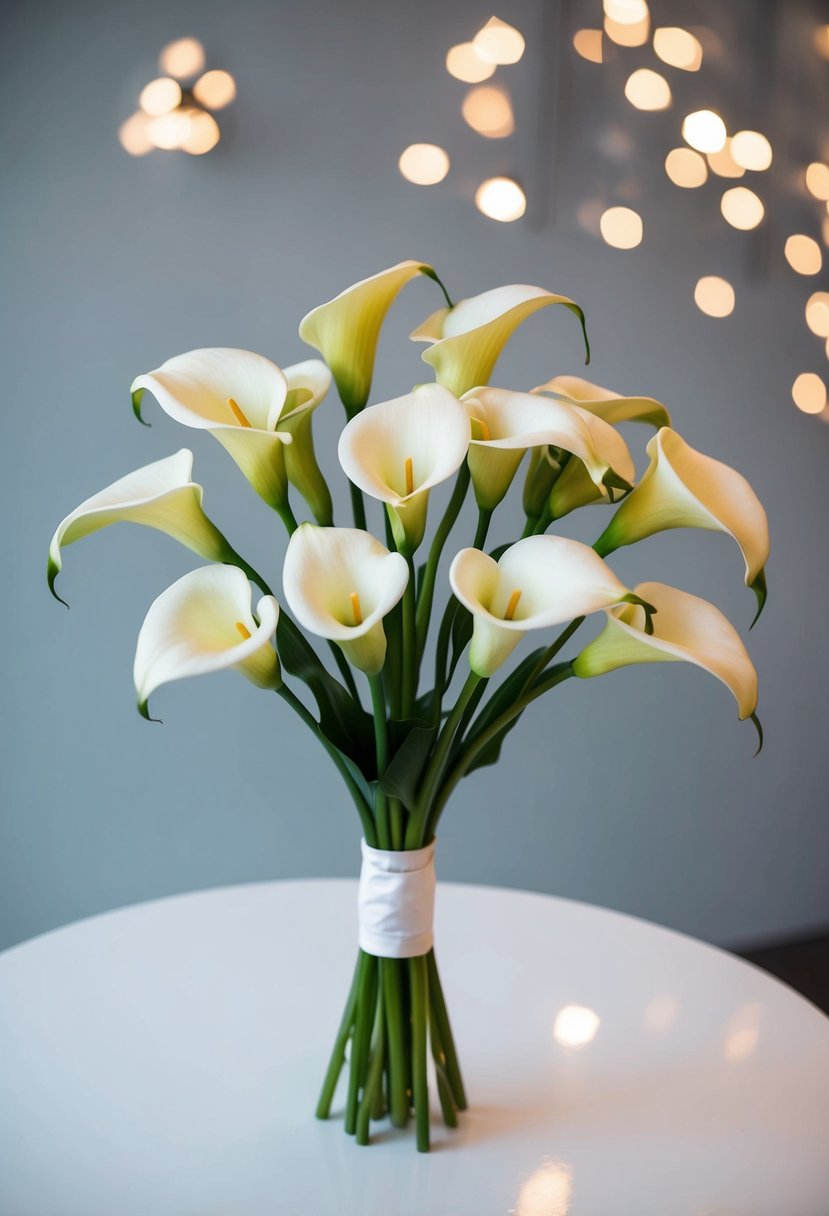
(419, 980)
(484, 519)
(434, 770)
(358, 506)
(337, 1060)
(381, 744)
(366, 997)
(391, 978)
(426, 590)
(375, 1074)
(287, 516)
(441, 1016)
(409, 681)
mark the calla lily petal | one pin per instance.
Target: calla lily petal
(606, 404)
(204, 623)
(685, 629)
(238, 397)
(398, 450)
(346, 329)
(160, 495)
(466, 340)
(339, 584)
(576, 485)
(538, 582)
(682, 488)
(308, 382)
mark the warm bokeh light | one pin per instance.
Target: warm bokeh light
(203, 135)
(817, 313)
(723, 163)
(464, 63)
(678, 48)
(547, 1192)
(134, 136)
(588, 44)
(626, 12)
(817, 180)
(628, 35)
(498, 42)
(809, 393)
(824, 228)
(705, 131)
(661, 1013)
(424, 164)
(182, 58)
(160, 96)
(488, 111)
(621, 227)
(215, 89)
(686, 168)
(170, 131)
(820, 39)
(647, 90)
(803, 254)
(501, 198)
(752, 150)
(714, 296)
(742, 208)
(576, 1026)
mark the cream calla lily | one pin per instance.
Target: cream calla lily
(239, 398)
(204, 623)
(539, 582)
(398, 450)
(307, 383)
(685, 629)
(505, 424)
(465, 341)
(604, 403)
(346, 329)
(339, 584)
(160, 495)
(682, 488)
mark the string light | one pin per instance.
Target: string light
(817, 313)
(714, 296)
(499, 43)
(501, 198)
(817, 180)
(626, 12)
(678, 48)
(464, 63)
(424, 164)
(215, 89)
(686, 168)
(203, 135)
(183, 58)
(160, 96)
(621, 227)
(134, 136)
(628, 35)
(488, 111)
(647, 90)
(705, 131)
(809, 393)
(723, 163)
(803, 254)
(588, 44)
(751, 150)
(168, 118)
(742, 208)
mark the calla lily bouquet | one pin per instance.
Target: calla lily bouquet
(389, 703)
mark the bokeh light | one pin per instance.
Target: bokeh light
(820, 41)
(714, 296)
(576, 1026)
(803, 254)
(588, 44)
(704, 130)
(723, 163)
(628, 35)
(182, 58)
(160, 96)
(817, 313)
(809, 393)
(678, 48)
(686, 168)
(488, 111)
(424, 164)
(647, 90)
(501, 198)
(499, 43)
(626, 12)
(134, 135)
(752, 150)
(547, 1192)
(464, 63)
(203, 135)
(215, 89)
(742, 208)
(817, 180)
(621, 227)
(170, 131)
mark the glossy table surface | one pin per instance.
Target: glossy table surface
(164, 1060)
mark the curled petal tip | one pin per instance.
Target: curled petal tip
(761, 591)
(136, 397)
(758, 726)
(143, 709)
(52, 572)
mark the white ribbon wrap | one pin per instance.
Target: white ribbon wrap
(396, 901)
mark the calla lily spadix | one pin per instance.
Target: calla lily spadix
(683, 488)
(604, 403)
(238, 397)
(398, 450)
(465, 341)
(160, 495)
(685, 629)
(339, 584)
(346, 329)
(538, 582)
(505, 424)
(204, 623)
(307, 384)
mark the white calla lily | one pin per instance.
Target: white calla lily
(685, 629)
(398, 450)
(307, 384)
(160, 495)
(683, 488)
(204, 623)
(538, 582)
(239, 398)
(339, 584)
(604, 403)
(346, 329)
(466, 340)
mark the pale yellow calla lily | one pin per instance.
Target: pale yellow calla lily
(160, 495)
(307, 383)
(398, 450)
(239, 398)
(465, 341)
(339, 584)
(682, 488)
(685, 629)
(204, 623)
(346, 329)
(539, 582)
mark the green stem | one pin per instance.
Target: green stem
(529, 527)
(358, 506)
(234, 559)
(345, 670)
(366, 999)
(544, 520)
(381, 744)
(484, 519)
(438, 1005)
(375, 1074)
(287, 516)
(420, 1030)
(391, 979)
(409, 681)
(337, 1060)
(434, 770)
(426, 591)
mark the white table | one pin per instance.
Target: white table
(164, 1060)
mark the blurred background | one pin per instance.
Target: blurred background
(229, 210)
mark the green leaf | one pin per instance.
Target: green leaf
(405, 769)
(461, 637)
(501, 700)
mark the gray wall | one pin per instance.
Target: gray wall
(638, 792)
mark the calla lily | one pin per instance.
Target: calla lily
(685, 629)
(604, 403)
(398, 450)
(346, 329)
(307, 383)
(539, 582)
(682, 488)
(160, 495)
(239, 398)
(339, 584)
(465, 341)
(505, 424)
(204, 623)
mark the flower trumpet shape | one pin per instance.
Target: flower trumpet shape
(682, 488)
(685, 629)
(505, 424)
(465, 341)
(204, 623)
(239, 398)
(339, 584)
(161, 495)
(307, 384)
(538, 582)
(346, 329)
(398, 450)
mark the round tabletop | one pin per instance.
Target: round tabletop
(166, 1059)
